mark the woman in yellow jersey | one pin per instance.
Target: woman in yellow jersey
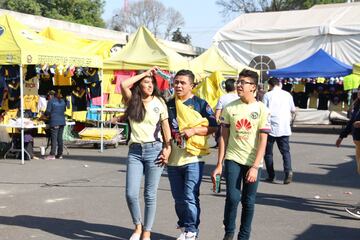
(149, 147)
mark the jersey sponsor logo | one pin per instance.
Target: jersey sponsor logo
(243, 124)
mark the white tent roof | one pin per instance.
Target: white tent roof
(289, 36)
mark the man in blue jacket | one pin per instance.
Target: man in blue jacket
(55, 110)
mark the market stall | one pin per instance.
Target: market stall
(20, 46)
(317, 88)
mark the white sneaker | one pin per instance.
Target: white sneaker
(190, 236)
(182, 234)
(355, 212)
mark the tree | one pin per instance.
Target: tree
(247, 6)
(149, 13)
(177, 36)
(79, 11)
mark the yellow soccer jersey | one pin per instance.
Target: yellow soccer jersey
(62, 77)
(245, 122)
(31, 102)
(149, 130)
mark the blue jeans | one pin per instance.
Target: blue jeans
(142, 161)
(57, 139)
(235, 176)
(185, 188)
(284, 148)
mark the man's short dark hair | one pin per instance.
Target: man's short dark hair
(250, 74)
(187, 73)
(274, 82)
(230, 85)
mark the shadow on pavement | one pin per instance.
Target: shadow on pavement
(94, 158)
(323, 206)
(328, 232)
(74, 229)
(321, 144)
(340, 175)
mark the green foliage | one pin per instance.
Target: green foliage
(310, 3)
(78, 11)
(246, 6)
(177, 36)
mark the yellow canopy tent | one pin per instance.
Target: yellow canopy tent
(21, 45)
(356, 68)
(94, 47)
(144, 51)
(214, 60)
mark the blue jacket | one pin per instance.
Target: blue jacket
(55, 109)
(355, 116)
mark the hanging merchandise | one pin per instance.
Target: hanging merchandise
(63, 75)
(13, 94)
(94, 89)
(45, 82)
(31, 103)
(97, 100)
(78, 99)
(10, 72)
(91, 75)
(122, 75)
(162, 79)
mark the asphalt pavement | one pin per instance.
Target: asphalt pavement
(82, 196)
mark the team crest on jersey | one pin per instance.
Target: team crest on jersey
(2, 30)
(174, 123)
(209, 110)
(254, 115)
(156, 109)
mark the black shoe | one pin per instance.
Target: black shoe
(270, 180)
(228, 236)
(59, 157)
(288, 177)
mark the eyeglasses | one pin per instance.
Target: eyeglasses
(243, 82)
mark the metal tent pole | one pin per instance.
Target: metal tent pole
(22, 113)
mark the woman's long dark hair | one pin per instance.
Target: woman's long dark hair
(135, 107)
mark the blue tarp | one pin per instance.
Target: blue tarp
(320, 64)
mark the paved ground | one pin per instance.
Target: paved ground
(82, 197)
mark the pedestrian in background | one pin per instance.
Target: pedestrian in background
(149, 147)
(224, 100)
(55, 111)
(244, 128)
(281, 106)
(353, 126)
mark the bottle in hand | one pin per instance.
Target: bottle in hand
(217, 188)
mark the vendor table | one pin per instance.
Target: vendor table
(17, 126)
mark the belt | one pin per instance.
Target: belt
(146, 143)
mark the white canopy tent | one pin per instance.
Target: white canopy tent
(280, 39)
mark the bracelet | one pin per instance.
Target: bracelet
(167, 144)
(257, 168)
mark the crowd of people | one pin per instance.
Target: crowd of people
(246, 123)
(175, 133)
